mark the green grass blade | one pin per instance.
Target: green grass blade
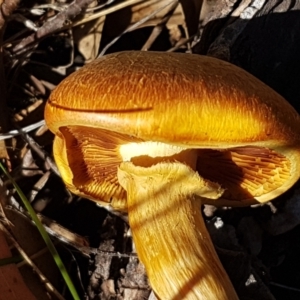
(44, 235)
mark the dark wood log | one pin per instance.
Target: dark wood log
(266, 44)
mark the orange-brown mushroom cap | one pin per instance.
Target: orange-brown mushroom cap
(191, 101)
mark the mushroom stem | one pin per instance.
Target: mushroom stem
(169, 232)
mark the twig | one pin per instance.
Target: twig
(159, 27)
(7, 8)
(181, 43)
(37, 149)
(52, 25)
(107, 11)
(285, 287)
(15, 132)
(135, 26)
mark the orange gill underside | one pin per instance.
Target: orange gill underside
(244, 172)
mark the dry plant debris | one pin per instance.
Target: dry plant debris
(43, 42)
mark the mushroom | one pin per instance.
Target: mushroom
(158, 134)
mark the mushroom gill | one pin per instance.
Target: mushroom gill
(246, 173)
(92, 156)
